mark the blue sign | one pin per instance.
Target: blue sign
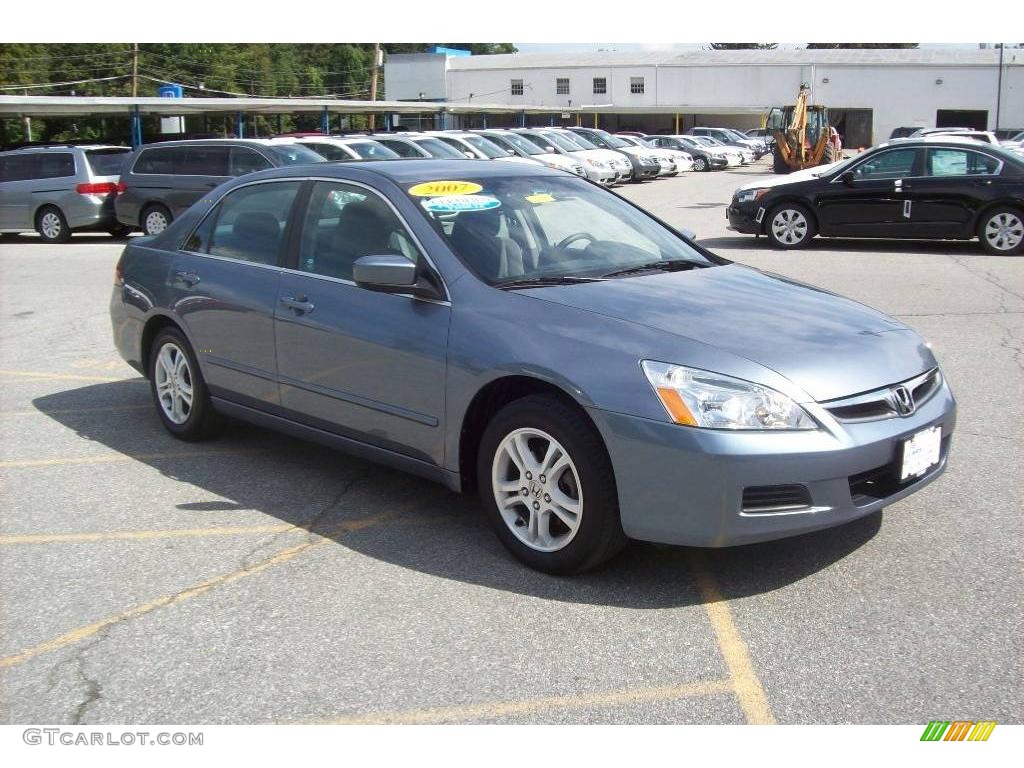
(449, 51)
(171, 91)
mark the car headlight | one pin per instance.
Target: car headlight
(699, 398)
(750, 195)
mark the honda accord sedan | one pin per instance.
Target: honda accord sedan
(594, 374)
(930, 188)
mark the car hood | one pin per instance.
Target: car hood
(826, 345)
(807, 174)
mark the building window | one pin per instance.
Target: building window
(636, 85)
(600, 85)
(562, 86)
(517, 87)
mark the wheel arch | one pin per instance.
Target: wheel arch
(1009, 202)
(154, 324)
(793, 200)
(490, 399)
(46, 204)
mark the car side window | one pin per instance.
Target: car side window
(21, 167)
(158, 160)
(55, 165)
(204, 161)
(244, 160)
(344, 223)
(248, 224)
(960, 162)
(894, 164)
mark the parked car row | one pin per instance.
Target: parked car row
(60, 189)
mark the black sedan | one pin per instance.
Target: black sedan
(929, 188)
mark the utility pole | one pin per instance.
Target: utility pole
(135, 70)
(373, 83)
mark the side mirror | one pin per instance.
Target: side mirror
(689, 234)
(469, 154)
(847, 178)
(391, 273)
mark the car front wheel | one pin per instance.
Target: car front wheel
(790, 226)
(548, 486)
(700, 164)
(1002, 232)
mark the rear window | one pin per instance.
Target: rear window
(107, 162)
(371, 150)
(437, 148)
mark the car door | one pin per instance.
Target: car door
(224, 284)
(198, 169)
(957, 182)
(871, 200)
(20, 171)
(363, 364)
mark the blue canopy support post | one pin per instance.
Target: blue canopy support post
(387, 121)
(444, 119)
(325, 122)
(484, 116)
(522, 118)
(551, 121)
(240, 125)
(136, 127)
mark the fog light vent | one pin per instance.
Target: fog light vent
(760, 499)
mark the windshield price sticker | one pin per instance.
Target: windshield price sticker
(460, 203)
(441, 188)
(540, 197)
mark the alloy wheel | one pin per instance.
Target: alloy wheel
(1004, 231)
(173, 377)
(789, 226)
(537, 489)
(49, 224)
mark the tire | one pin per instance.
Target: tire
(1001, 231)
(586, 530)
(172, 354)
(51, 225)
(790, 226)
(155, 219)
(119, 230)
(700, 164)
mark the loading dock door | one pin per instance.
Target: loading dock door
(854, 125)
(962, 118)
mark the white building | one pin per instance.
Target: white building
(869, 92)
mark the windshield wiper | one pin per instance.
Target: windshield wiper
(539, 282)
(665, 265)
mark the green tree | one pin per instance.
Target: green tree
(861, 45)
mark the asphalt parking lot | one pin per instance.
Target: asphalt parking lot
(261, 579)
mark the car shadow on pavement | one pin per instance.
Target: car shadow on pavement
(843, 245)
(434, 531)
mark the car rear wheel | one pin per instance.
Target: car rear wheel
(1002, 232)
(548, 487)
(790, 226)
(155, 219)
(178, 388)
(700, 164)
(52, 226)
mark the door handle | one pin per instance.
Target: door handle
(299, 305)
(187, 277)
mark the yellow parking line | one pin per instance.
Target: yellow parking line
(119, 457)
(745, 682)
(525, 706)
(70, 411)
(62, 376)
(283, 556)
(173, 533)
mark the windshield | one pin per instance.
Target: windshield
(561, 142)
(437, 148)
(613, 141)
(517, 141)
(371, 150)
(107, 162)
(548, 228)
(486, 146)
(841, 165)
(580, 141)
(736, 135)
(631, 141)
(294, 154)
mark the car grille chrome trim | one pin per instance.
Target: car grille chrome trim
(899, 399)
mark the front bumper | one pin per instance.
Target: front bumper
(682, 485)
(743, 218)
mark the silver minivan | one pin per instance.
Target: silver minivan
(59, 189)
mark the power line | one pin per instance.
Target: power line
(68, 82)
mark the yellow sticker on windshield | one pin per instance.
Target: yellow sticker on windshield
(540, 197)
(439, 188)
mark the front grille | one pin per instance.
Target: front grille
(761, 499)
(881, 482)
(880, 404)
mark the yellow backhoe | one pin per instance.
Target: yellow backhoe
(803, 136)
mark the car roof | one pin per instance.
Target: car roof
(191, 142)
(410, 170)
(64, 148)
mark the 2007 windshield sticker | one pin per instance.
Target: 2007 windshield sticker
(438, 188)
(460, 203)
